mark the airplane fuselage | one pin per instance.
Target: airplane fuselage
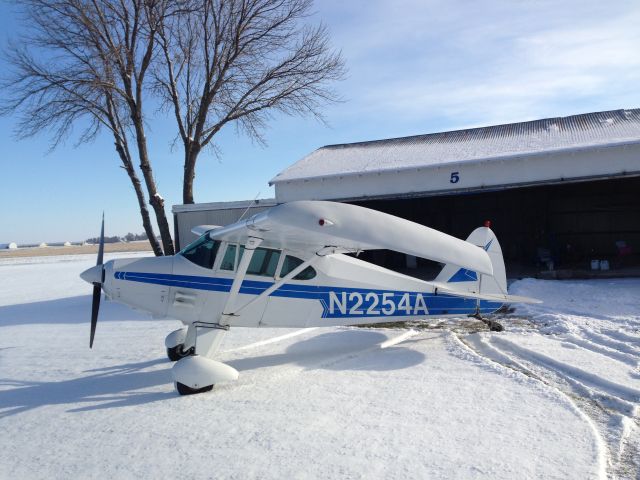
(337, 290)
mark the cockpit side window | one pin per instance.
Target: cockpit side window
(202, 252)
(229, 260)
(263, 262)
(292, 262)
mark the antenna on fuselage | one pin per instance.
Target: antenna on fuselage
(255, 200)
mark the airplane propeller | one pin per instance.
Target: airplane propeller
(95, 275)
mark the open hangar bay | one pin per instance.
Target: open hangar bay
(560, 192)
(568, 224)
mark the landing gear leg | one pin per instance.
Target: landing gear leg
(199, 372)
(178, 352)
(180, 343)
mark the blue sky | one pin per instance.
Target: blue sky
(414, 67)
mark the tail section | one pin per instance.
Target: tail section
(463, 280)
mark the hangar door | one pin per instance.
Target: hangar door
(572, 222)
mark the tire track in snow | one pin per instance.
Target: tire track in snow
(610, 404)
(611, 343)
(602, 408)
(607, 351)
(623, 392)
(500, 362)
(621, 337)
(604, 401)
(629, 448)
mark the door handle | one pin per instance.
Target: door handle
(184, 299)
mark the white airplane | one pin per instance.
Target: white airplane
(286, 267)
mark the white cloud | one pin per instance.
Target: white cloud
(491, 61)
(603, 44)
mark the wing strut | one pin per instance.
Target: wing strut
(250, 247)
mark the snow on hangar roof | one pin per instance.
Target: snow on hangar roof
(575, 132)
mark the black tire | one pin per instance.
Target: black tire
(176, 353)
(184, 390)
(495, 326)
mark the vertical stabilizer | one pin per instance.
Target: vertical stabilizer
(464, 280)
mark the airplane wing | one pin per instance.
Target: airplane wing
(308, 226)
(201, 229)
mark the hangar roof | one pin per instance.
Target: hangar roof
(213, 206)
(576, 132)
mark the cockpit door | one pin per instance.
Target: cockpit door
(193, 279)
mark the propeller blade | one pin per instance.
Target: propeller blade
(101, 246)
(95, 306)
(97, 287)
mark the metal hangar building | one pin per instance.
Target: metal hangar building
(559, 191)
(185, 217)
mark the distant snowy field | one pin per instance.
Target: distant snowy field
(557, 395)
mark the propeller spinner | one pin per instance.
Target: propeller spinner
(95, 275)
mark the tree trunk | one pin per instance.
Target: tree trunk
(156, 201)
(190, 157)
(144, 211)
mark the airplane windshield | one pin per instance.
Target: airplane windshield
(202, 252)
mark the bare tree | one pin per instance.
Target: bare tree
(84, 63)
(226, 61)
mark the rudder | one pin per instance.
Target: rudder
(461, 279)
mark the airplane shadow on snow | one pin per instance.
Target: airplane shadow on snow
(70, 310)
(123, 385)
(117, 386)
(342, 350)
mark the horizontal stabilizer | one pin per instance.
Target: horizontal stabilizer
(493, 297)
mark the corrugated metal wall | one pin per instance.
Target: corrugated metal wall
(185, 221)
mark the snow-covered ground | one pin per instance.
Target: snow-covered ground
(556, 395)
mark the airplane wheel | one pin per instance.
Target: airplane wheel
(495, 326)
(184, 390)
(176, 353)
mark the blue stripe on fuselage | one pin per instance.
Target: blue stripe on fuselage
(370, 300)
